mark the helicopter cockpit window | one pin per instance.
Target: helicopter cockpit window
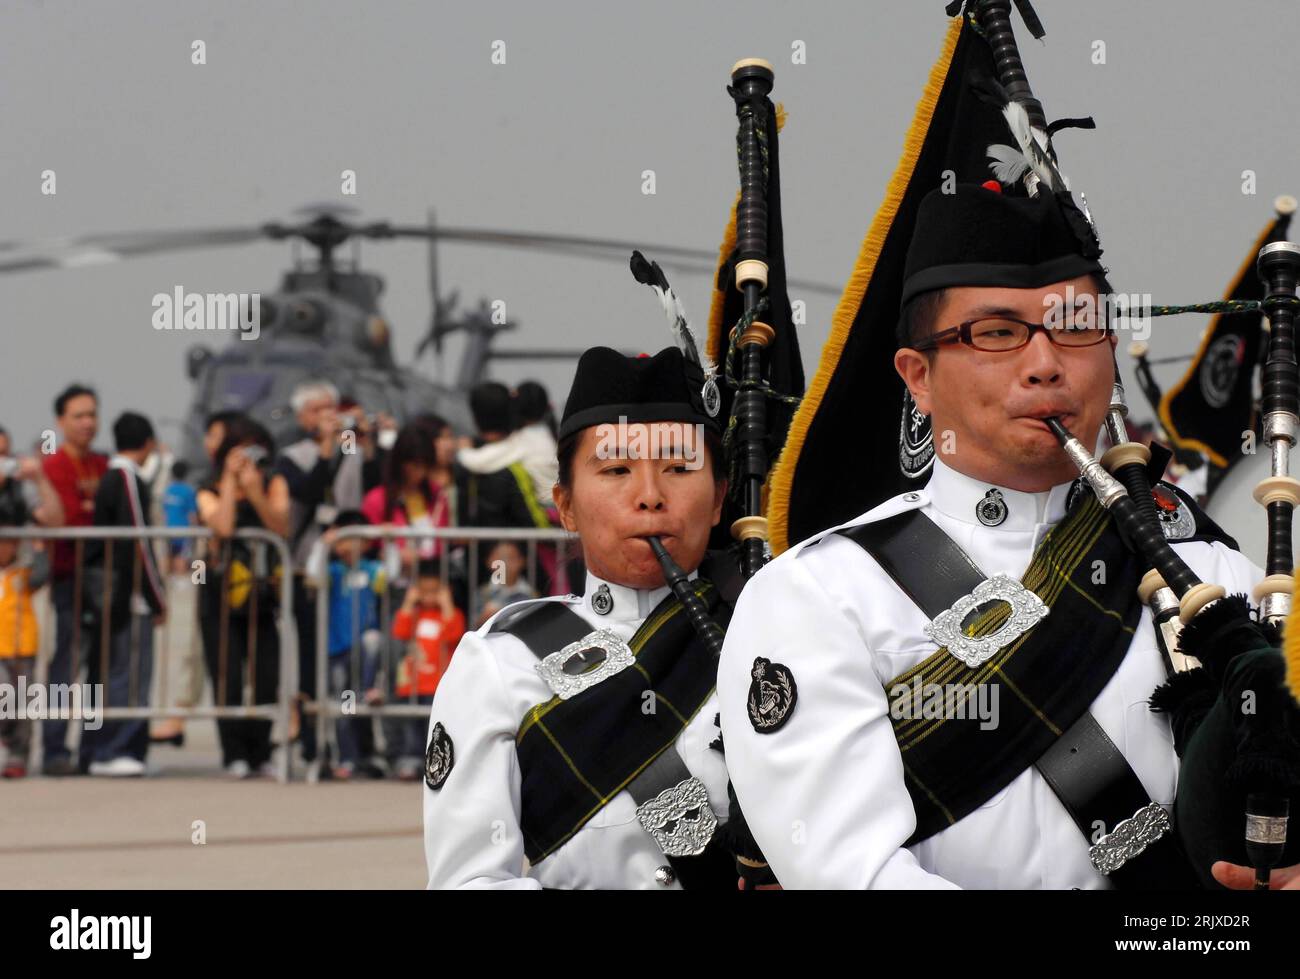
(240, 390)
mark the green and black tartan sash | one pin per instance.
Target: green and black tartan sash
(1047, 677)
(576, 755)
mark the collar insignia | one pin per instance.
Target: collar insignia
(992, 510)
(602, 603)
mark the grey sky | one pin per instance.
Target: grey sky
(591, 95)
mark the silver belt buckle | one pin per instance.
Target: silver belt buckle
(617, 656)
(1129, 838)
(679, 818)
(1027, 610)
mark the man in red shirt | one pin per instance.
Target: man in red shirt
(74, 471)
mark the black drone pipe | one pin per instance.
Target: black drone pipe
(751, 82)
(994, 19)
(1279, 267)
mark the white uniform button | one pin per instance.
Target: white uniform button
(911, 497)
(665, 876)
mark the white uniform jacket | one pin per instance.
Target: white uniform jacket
(824, 794)
(471, 823)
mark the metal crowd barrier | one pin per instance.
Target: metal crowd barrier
(277, 711)
(466, 542)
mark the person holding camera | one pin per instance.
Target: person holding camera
(323, 473)
(237, 605)
(25, 492)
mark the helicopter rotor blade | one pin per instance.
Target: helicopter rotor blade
(103, 248)
(96, 249)
(675, 257)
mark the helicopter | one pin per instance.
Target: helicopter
(325, 322)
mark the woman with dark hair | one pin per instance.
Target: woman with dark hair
(443, 439)
(408, 496)
(237, 605)
(539, 729)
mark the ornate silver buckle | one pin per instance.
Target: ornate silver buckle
(617, 656)
(672, 819)
(1129, 838)
(1027, 610)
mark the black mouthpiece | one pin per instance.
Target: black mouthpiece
(1059, 430)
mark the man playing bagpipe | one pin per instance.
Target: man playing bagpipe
(1005, 676)
(951, 689)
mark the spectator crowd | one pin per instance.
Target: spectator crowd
(396, 608)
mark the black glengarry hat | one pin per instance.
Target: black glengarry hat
(610, 386)
(975, 236)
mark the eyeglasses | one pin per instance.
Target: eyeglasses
(1002, 334)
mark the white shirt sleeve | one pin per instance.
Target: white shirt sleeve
(491, 456)
(472, 837)
(824, 793)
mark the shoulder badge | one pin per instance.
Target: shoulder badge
(772, 695)
(1176, 518)
(915, 440)
(439, 758)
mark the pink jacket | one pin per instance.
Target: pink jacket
(372, 508)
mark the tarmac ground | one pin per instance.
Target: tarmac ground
(188, 825)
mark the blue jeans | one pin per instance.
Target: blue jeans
(129, 738)
(355, 734)
(54, 734)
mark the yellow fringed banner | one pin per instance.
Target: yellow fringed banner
(782, 477)
(1291, 648)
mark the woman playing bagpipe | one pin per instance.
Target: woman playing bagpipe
(574, 742)
(571, 741)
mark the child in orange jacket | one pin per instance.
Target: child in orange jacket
(432, 626)
(19, 639)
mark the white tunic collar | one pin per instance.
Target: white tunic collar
(628, 604)
(964, 498)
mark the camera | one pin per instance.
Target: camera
(256, 454)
